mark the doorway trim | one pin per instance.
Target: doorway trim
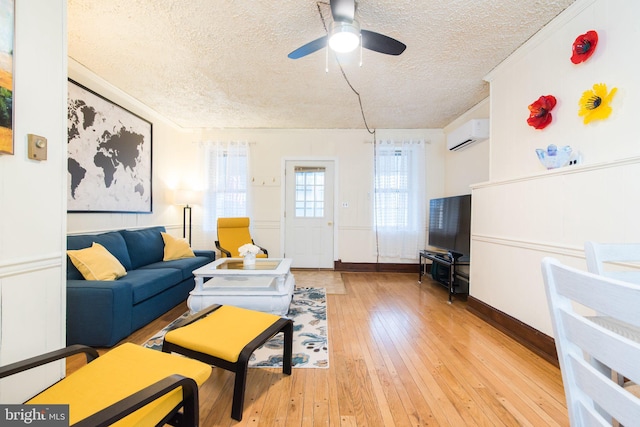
(283, 195)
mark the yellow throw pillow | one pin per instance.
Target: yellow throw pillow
(175, 248)
(97, 263)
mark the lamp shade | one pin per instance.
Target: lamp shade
(345, 36)
(187, 197)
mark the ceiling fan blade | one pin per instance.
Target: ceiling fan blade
(343, 10)
(309, 48)
(381, 43)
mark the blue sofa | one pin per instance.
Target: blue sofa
(101, 313)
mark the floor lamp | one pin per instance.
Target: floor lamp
(187, 198)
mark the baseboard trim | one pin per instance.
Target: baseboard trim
(539, 343)
(365, 267)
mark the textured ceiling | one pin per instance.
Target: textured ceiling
(223, 63)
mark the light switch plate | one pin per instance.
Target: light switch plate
(37, 147)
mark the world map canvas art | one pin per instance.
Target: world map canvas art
(109, 155)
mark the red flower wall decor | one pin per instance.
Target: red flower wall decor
(540, 111)
(584, 46)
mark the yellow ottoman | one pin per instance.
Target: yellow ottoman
(226, 336)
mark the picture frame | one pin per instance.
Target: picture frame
(109, 155)
(7, 31)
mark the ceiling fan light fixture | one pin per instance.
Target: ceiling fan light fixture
(344, 36)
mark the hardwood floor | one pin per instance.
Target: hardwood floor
(399, 356)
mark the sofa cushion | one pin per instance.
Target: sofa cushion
(145, 283)
(175, 248)
(96, 263)
(145, 246)
(185, 265)
(112, 241)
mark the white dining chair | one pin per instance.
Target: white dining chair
(616, 260)
(590, 347)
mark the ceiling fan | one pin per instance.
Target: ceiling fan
(345, 34)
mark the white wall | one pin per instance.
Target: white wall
(352, 151)
(32, 195)
(525, 212)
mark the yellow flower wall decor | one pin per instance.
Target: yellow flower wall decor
(594, 104)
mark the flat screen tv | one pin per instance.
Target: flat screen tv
(450, 224)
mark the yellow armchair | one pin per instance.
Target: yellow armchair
(233, 233)
(129, 385)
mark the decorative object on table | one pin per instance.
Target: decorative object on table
(584, 46)
(540, 111)
(6, 76)
(109, 155)
(594, 103)
(553, 157)
(308, 311)
(248, 252)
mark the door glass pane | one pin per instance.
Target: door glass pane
(309, 192)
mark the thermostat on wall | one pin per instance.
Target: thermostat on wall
(37, 147)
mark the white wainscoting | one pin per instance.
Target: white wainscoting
(32, 307)
(517, 222)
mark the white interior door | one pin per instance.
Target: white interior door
(309, 213)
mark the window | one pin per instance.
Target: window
(399, 198)
(392, 187)
(227, 186)
(309, 201)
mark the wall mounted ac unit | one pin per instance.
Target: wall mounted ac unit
(469, 133)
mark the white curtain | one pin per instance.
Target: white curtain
(400, 199)
(226, 195)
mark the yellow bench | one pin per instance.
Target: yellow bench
(226, 336)
(128, 386)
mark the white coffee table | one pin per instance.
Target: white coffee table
(267, 286)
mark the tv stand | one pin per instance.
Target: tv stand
(451, 261)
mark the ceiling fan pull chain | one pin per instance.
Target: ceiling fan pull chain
(326, 58)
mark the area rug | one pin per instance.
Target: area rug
(308, 311)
